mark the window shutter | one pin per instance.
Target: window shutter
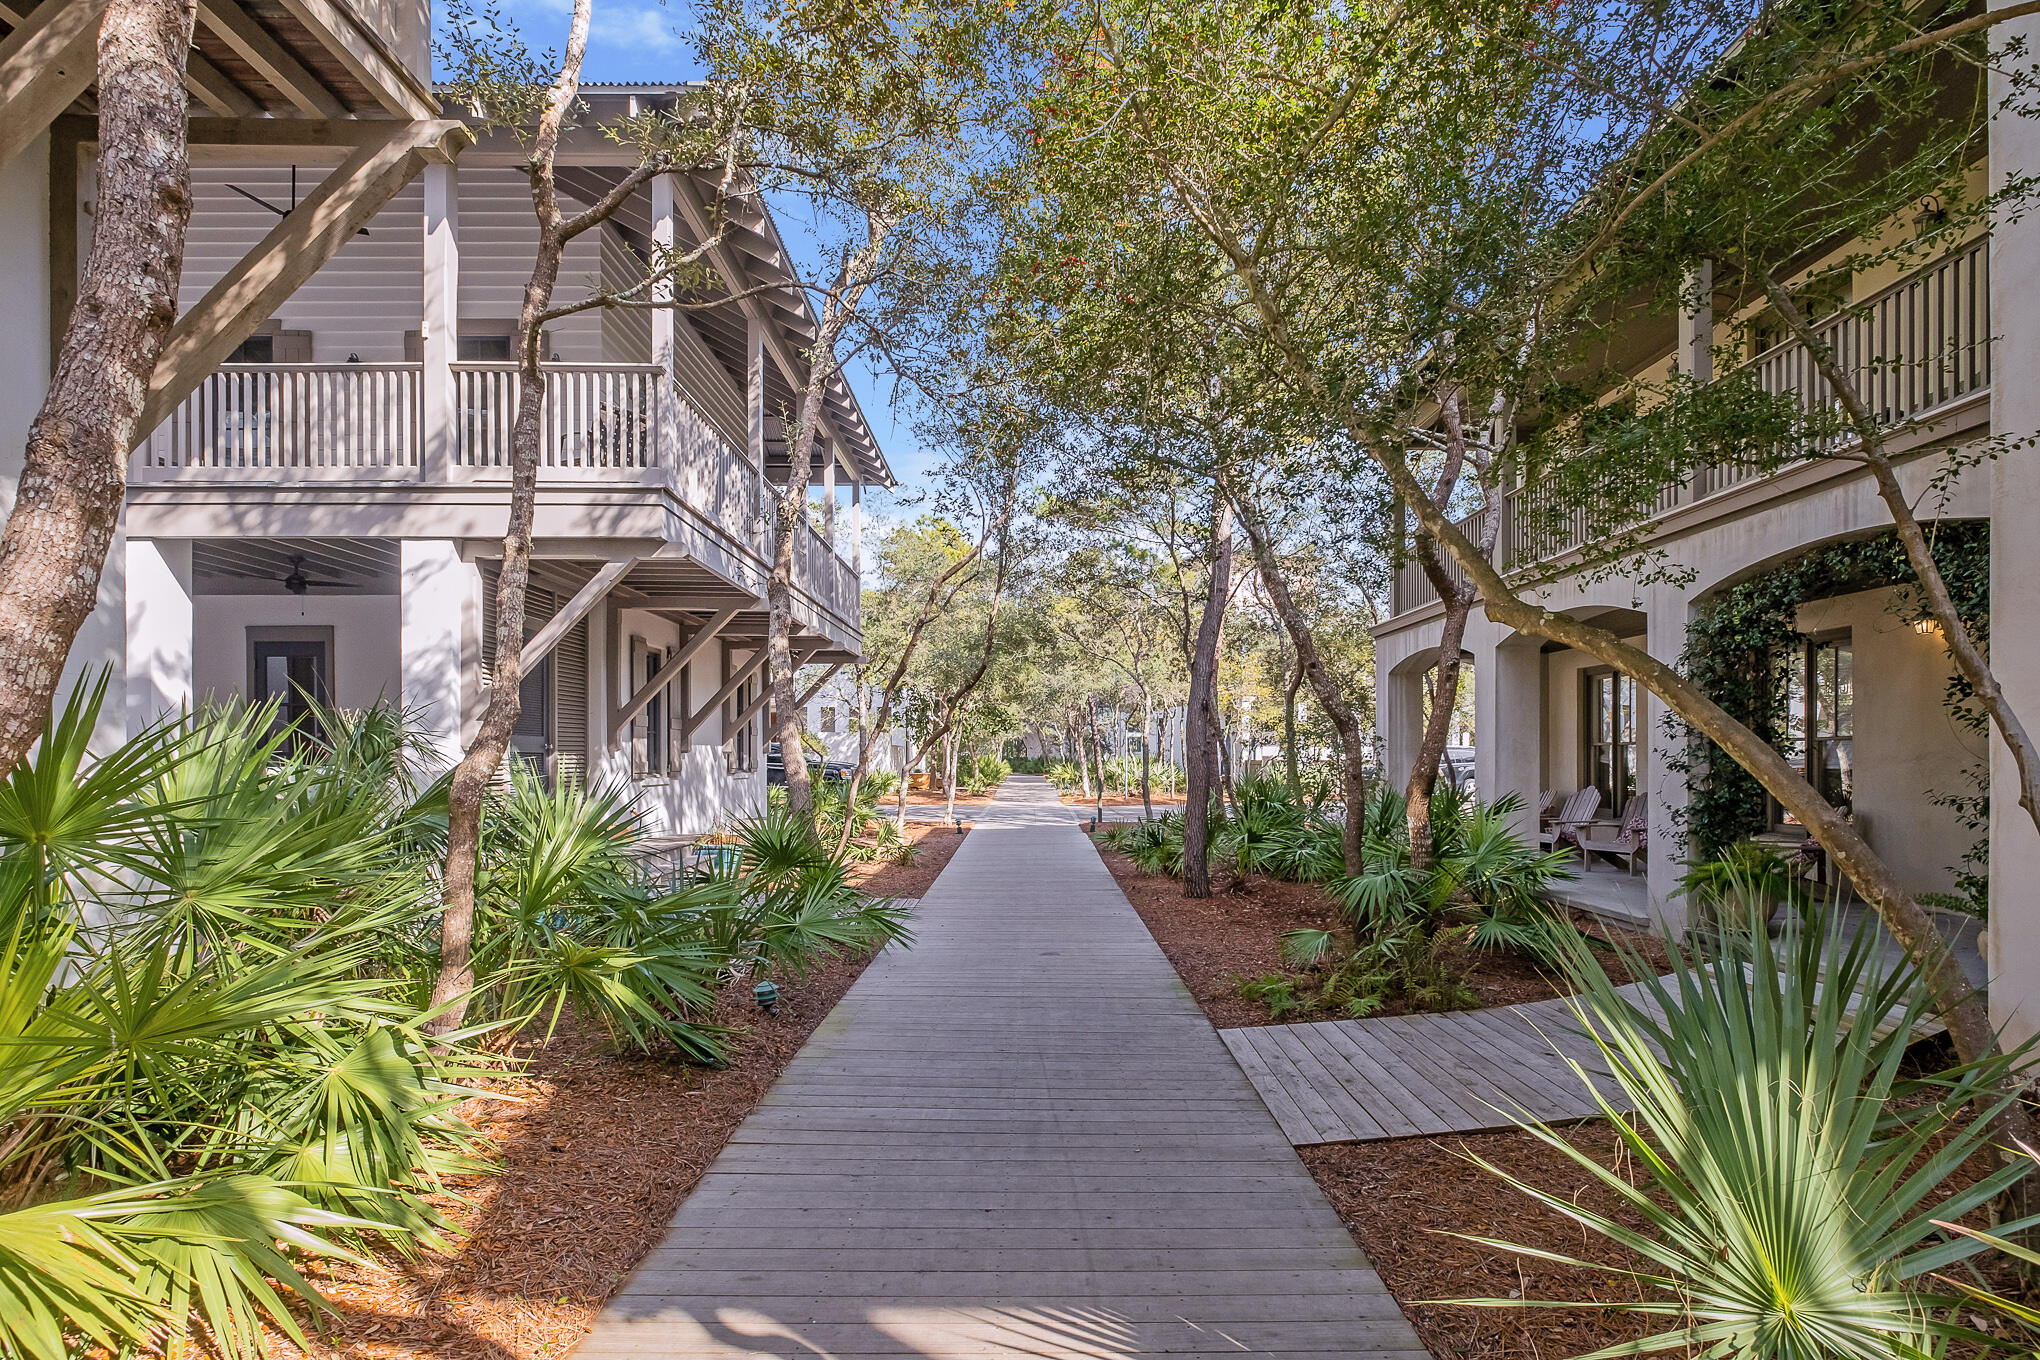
(677, 701)
(638, 744)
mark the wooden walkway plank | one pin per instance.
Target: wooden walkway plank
(1020, 1138)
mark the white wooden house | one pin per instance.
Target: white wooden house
(320, 502)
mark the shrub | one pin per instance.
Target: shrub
(1791, 1176)
(219, 941)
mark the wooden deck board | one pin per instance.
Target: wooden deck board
(1019, 1138)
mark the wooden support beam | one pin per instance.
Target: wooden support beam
(816, 688)
(362, 51)
(664, 675)
(722, 696)
(291, 132)
(209, 85)
(255, 45)
(764, 695)
(292, 252)
(49, 59)
(585, 599)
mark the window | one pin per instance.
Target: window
(1610, 724)
(256, 349)
(484, 349)
(654, 717)
(1818, 736)
(828, 720)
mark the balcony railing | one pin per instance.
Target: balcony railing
(618, 424)
(1921, 344)
(300, 420)
(596, 417)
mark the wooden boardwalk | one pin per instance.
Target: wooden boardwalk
(1356, 1081)
(1348, 1081)
(1018, 1138)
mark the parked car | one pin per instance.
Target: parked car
(833, 771)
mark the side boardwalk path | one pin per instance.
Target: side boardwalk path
(1018, 1138)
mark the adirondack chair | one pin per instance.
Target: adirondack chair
(1624, 838)
(1547, 804)
(1579, 809)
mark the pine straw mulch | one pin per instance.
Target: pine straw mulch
(595, 1153)
(1402, 1199)
(934, 843)
(1236, 934)
(1071, 798)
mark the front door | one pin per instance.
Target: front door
(294, 675)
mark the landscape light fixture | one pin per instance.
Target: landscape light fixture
(766, 994)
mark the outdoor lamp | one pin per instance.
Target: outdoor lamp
(766, 994)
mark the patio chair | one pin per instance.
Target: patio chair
(1547, 805)
(1579, 809)
(1624, 838)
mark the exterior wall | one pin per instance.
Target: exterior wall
(367, 663)
(1530, 747)
(2013, 940)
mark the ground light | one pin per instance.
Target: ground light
(766, 994)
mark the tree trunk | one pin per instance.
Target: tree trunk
(1438, 726)
(1097, 744)
(1970, 662)
(1147, 725)
(74, 469)
(456, 980)
(478, 765)
(1202, 720)
(1083, 758)
(1289, 728)
(789, 519)
(949, 744)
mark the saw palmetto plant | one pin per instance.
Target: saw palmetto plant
(215, 947)
(1792, 1177)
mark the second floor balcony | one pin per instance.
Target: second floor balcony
(614, 427)
(1916, 351)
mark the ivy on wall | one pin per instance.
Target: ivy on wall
(1734, 636)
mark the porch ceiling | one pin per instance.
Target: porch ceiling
(677, 587)
(360, 566)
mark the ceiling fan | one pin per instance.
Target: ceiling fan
(297, 583)
(282, 212)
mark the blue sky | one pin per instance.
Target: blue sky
(648, 40)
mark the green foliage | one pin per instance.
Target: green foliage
(1742, 886)
(981, 774)
(215, 953)
(1791, 1176)
(1734, 636)
(1064, 775)
(1484, 883)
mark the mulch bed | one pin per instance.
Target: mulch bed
(1403, 1199)
(596, 1151)
(1236, 933)
(1120, 800)
(937, 798)
(935, 842)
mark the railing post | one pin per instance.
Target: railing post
(439, 326)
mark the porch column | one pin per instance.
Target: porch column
(1508, 718)
(2013, 953)
(435, 589)
(857, 526)
(159, 625)
(829, 498)
(1400, 702)
(754, 406)
(439, 326)
(1665, 639)
(1696, 323)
